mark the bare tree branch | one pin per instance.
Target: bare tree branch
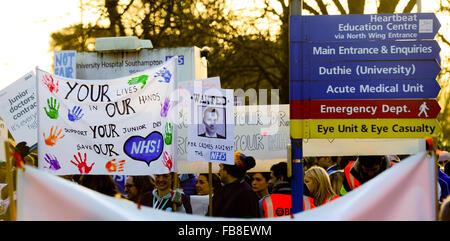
(408, 8)
(322, 7)
(340, 7)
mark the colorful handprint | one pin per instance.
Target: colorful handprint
(168, 133)
(50, 83)
(165, 107)
(167, 161)
(140, 79)
(81, 164)
(115, 166)
(75, 114)
(54, 164)
(53, 137)
(53, 110)
(163, 75)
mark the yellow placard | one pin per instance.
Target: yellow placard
(363, 128)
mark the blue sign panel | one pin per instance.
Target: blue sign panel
(372, 50)
(364, 89)
(369, 70)
(363, 27)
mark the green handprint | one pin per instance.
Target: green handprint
(168, 131)
(140, 79)
(53, 109)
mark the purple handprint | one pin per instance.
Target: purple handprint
(165, 107)
(54, 164)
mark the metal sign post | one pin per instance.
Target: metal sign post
(296, 144)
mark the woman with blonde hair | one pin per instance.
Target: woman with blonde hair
(318, 183)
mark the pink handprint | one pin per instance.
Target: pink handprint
(81, 164)
(50, 82)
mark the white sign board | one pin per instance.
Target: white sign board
(119, 126)
(93, 65)
(19, 109)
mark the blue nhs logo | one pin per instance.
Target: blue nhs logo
(217, 156)
(180, 59)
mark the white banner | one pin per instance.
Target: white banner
(19, 109)
(119, 126)
(403, 192)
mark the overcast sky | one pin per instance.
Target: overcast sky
(26, 26)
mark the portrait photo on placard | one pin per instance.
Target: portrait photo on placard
(212, 122)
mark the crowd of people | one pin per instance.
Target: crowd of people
(235, 192)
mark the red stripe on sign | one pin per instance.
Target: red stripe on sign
(364, 109)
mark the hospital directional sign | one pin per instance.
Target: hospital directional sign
(363, 27)
(364, 76)
(364, 109)
(371, 50)
(364, 89)
(371, 70)
(363, 128)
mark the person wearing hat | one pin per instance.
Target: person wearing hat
(236, 199)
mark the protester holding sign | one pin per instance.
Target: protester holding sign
(236, 199)
(165, 198)
(200, 202)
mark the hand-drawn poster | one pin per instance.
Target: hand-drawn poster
(19, 109)
(211, 130)
(65, 63)
(119, 127)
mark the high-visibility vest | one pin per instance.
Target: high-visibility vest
(351, 180)
(278, 205)
(330, 199)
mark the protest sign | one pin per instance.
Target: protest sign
(108, 127)
(211, 130)
(185, 89)
(261, 131)
(65, 63)
(19, 109)
(3, 138)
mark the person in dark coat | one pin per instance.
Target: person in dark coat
(236, 199)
